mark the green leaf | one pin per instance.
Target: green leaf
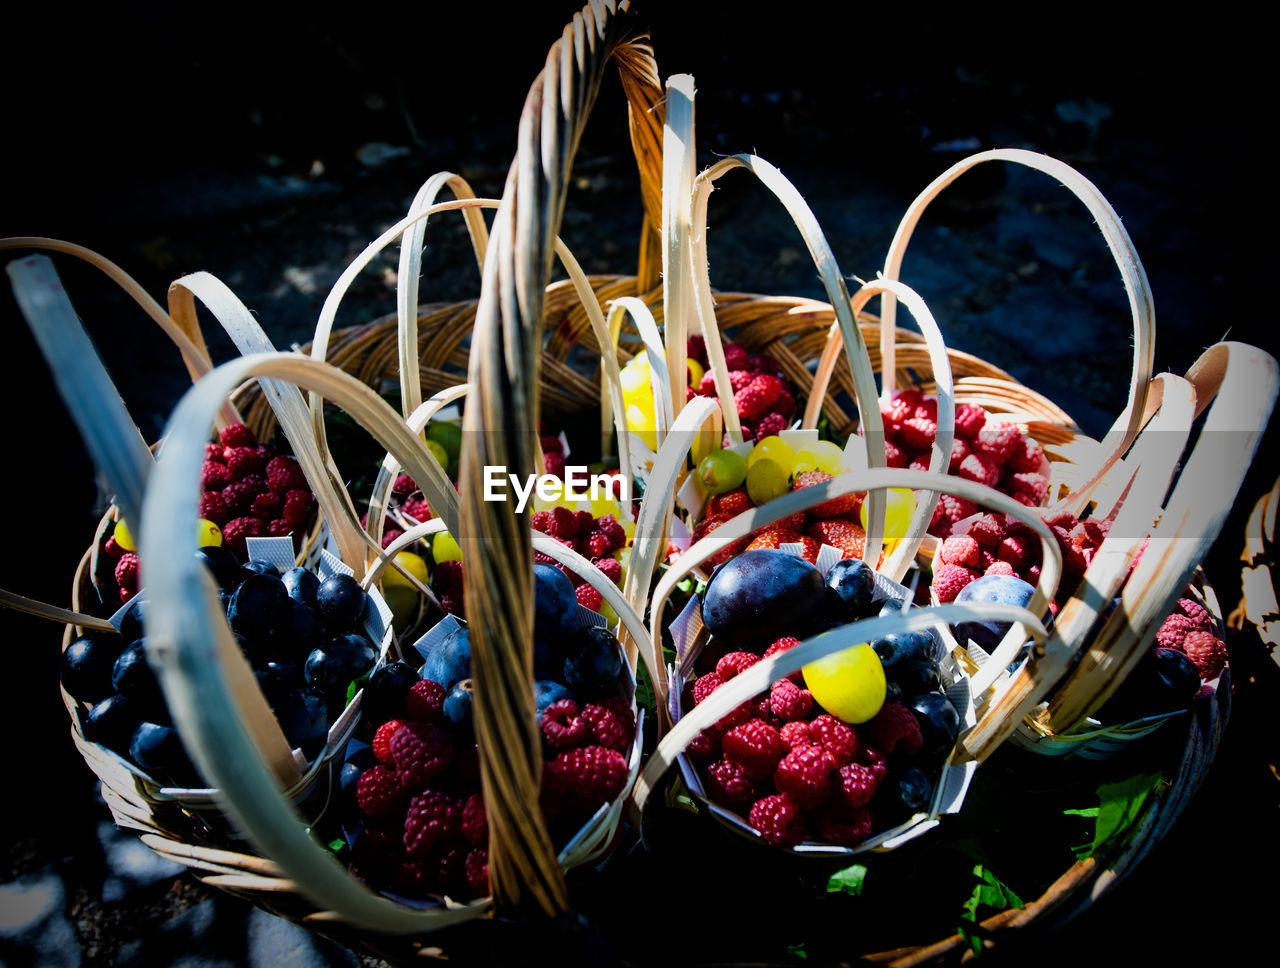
(989, 892)
(797, 951)
(847, 881)
(337, 844)
(1120, 806)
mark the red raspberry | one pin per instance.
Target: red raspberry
(1017, 551)
(593, 775)
(554, 464)
(388, 536)
(382, 741)
(735, 357)
(949, 579)
(235, 531)
(214, 476)
(836, 507)
(1058, 518)
(782, 645)
(740, 379)
(243, 461)
(756, 746)
(751, 403)
(805, 775)
(1196, 612)
(1031, 484)
(1073, 563)
(696, 348)
(589, 597)
(597, 545)
(997, 439)
(213, 452)
(902, 405)
(778, 819)
(613, 531)
(999, 568)
(839, 533)
(838, 740)
(280, 528)
(448, 575)
(296, 506)
(980, 469)
(969, 421)
(422, 752)
(705, 686)
(844, 827)
(562, 726)
(795, 733)
(785, 405)
(434, 818)
(475, 821)
(707, 385)
(418, 509)
(564, 523)
(771, 424)
(729, 785)
(378, 792)
(1086, 534)
(788, 701)
(988, 530)
(920, 464)
(735, 662)
(959, 549)
(113, 550)
(404, 484)
(705, 746)
(1027, 456)
(874, 760)
(477, 871)
(959, 451)
(611, 568)
(284, 474)
(857, 784)
(956, 508)
(541, 521)
(769, 387)
(918, 433)
(127, 571)
(425, 701)
(895, 729)
(611, 726)
(266, 506)
(551, 445)
(1207, 651)
(237, 435)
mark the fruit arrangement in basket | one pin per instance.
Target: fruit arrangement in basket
(847, 749)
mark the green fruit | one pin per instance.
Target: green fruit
(849, 684)
(766, 480)
(448, 436)
(722, 470)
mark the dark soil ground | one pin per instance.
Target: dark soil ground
(268, 150)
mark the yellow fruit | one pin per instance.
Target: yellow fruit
(445, 548)
(208, 534)
(125, 540)
(897, 514)
(414, 564)
(635, 381)
(438, 452)
(766, 480)
(696, 372)
(849, 684)
(775, 449)
(822, 455)
(403, 602)
(643, 424)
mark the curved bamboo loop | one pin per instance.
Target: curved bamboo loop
(1131, 272)
(197, 661)
(864, 381)
(678, 162)
(757, 678)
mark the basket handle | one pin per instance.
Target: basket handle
(500, 429)
(1122, 249)
(1239, 384)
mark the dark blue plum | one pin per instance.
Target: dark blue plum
(158, 750)
(260, 609)
(997, 589)
(1163, 681)
(333, 665)
(939, 723)
(133, 619)
(262, 568)
(449, 660)
(301, 585)
(133, 678)
(555, 606)
(593, 663)
(86, 666)
(385, 692)
(111, 723)
(459, 705)
(910, 790)
(304, 719)
(341, 601)
(852, 585)
(547, 691)
(222, 565)
(763, 595)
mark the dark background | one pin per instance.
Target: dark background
(230, 140)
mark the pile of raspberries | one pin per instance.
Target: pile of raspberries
(834, 522)
(250, 491)
(792, 770)
(762, 395)
(1189, 629)
(985, 449)
(425, 826)
(996, 544)
(596, 539)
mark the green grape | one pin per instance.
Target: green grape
(447, 435)
(722, 470)
(445, 548)
(849, 684)
(438, 452)
(775, 449)
(820, 456)
(897, 514)
(766, 480)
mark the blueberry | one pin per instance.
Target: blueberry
(459, 705)
(341, 601)
(222, 565)
(301, 585)
(939, 723)
(853, 583)
(555, 606)
(111, 723)
(997, 589)
(133, 678)
(348, 780)
(593, 662)
(449, 661)
(385, 692)
(86, 666)
(259, 607)
(158, 750)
